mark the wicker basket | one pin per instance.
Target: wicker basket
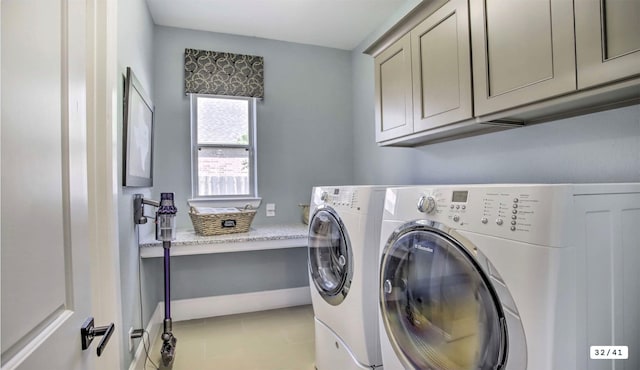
(208, 224)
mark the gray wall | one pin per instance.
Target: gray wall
(135, 50)
(316, 126)
(232, 273)
(598, 147)
(304, 127)
(304, 136)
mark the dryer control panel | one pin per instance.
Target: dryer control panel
(527, 213)
(515, 210)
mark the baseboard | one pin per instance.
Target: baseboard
(199, 308)
(153, 329)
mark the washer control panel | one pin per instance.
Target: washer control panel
(340, 197)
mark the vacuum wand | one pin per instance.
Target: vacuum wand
(166, 232)
(166, 245)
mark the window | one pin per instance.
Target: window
(223, 164)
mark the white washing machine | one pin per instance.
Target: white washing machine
(510, 276)
(344, 232)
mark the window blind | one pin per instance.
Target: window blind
(219, 73)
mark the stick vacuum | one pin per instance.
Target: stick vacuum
(165, 232)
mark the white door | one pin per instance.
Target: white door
(46, 243)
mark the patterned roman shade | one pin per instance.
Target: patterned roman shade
(212, 72)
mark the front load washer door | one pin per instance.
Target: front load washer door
(438, 306)
(330, 256)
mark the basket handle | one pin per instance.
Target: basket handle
(247, 207)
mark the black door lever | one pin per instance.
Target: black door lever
(88, 332)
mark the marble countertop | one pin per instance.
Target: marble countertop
(257, 238)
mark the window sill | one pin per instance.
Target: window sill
(225, 202)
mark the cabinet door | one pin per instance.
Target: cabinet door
(523, 51)
(607, 40)
(441, 67)
(394, 107)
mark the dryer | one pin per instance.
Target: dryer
(509, 276)
(344, 232)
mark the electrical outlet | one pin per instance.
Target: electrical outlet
(271, 209)
(134, 334)
(130, 339)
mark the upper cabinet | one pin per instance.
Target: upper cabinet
(423, 80)
(451, 68)
(523, 51)
(394, 103)
(607, 40)
(441, 67)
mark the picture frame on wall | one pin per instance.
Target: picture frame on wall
(138, 134)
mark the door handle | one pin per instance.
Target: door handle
(88, 331)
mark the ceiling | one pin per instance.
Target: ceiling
(341, 24)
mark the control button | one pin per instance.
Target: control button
(513, 228)
(456, 218)
(513, 222)
(515, 200)
(514, 217)
(484, 220)
(464, 207)
(426, 204)
(515, 206)
(499, 221)
(452, 206)
(457, 206)
(514, 211)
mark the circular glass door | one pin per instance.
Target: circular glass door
(438, 308)
(330, 256)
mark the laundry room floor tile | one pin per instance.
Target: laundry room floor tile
(281, 339)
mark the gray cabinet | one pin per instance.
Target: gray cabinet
(441, 67)
(423, 80)
(458, 67)
(393, 90)
(523, 52)
(607, 41)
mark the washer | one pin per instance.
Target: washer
(509, 276)
(344, 238)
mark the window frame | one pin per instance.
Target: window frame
(252, 198)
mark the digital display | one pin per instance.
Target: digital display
(459, 196)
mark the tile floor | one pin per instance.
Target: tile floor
(281, 339)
